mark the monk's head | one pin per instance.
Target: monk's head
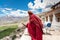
(30, 13)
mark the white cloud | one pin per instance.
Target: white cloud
(8, 8)
(4, 11)
(38, 4)
(18, 13)
(15, 13)
(46, 9)
(30, 5)
(11, 12)
(35, 11)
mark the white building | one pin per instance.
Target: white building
(52, 16)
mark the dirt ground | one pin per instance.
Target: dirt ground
(55, 35)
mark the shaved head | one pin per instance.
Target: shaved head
(30, 13)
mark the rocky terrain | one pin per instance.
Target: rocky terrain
(11, 19)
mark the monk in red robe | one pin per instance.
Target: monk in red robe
(35, 26)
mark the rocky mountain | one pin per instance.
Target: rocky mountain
(11, 19)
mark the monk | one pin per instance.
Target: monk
(34, 27)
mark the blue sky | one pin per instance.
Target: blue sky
(20, 7)
(15, 4)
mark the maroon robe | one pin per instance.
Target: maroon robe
(35, 27)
